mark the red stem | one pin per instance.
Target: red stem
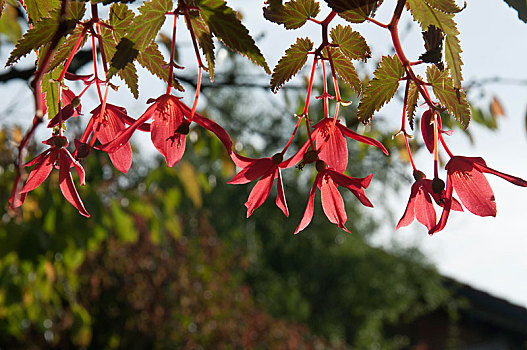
(171, 62)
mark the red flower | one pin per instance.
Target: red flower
(328, 180)
(267, 169)
(420, 204)
(330, 136)
(72, 108)
(169, 128)
(465, 175)
(57, 156)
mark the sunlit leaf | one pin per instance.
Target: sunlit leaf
(293, 14)
(354, 11)
(381, 88)
(204, 38)
(38, 9)
(65, 47)
(448, 6)
(453, 99)
(351, 43)
(50, 88)
(345, 69)
(9, 23)
(226, 26)
(294, 59)
(411, 103)
(152, 59)
(426, 15)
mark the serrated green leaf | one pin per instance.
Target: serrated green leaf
(204, 38)
(39, 9)
(293, 14)
(294, 59)
(447, 6)
(520, 6)
(44, 31)
(453, 99)
(120, 19)
(152, 59)
(354, 11)
(351, 43)
(411, 102)
(139, 33)
(381, 88)
(226, 26)
(345, 69)
(65, 47)
(50, 88)
(426, 15)
(129, 76)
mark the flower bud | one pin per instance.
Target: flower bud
(310, 157)
(76, 102)
(83, 149)
(60, 141)
(278, 158)
(183, 128)
(419, 175)
(438, 185)
(320, 165)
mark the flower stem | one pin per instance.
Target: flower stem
(171, 62)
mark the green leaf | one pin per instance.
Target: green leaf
(45, 30)
(50, 88)
(204, 38)
(226, 26)
(426, 15)
(294, 59)
(152, 59)
(139, 33)
(354, 11)
(120, 19)
(381, 88)
(294, 14)
(65, 47)
(411, 102)
(452, 98)
(39, 9)
(345, 69)
(447, 6)
(129, 75)
(351, 43)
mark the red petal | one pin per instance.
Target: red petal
(259, 193)
(78, 167)
(308, 213)
(332, 145)
(355, 185)
(427, 129)
(241, 161)
(361, 138)
(297, 157)
(167, 118)
(67, 186)
(112, 124)
(409, 214)
(39, 173)
(280, 198)
(446, 208)
(215, 129)
(256, 169)
(332, 203)
(424, 209)
(471, 187)
(67, 98)
(512, 179)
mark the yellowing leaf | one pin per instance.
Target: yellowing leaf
(9, 23)
(496, 108)
(453, 99)
(448, 6)
(345, 69)
(411, 102)
(38, 9)
(189, 178)
(294, 59)
(426, 15)
(381, 88)
(351, 43)
(50, 88)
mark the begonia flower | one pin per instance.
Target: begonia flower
(465, 175)
(267, 170)
(169, 128)
(59, 157)
(420, 204)
(328, 180)
(330, 137)
(72, 108)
